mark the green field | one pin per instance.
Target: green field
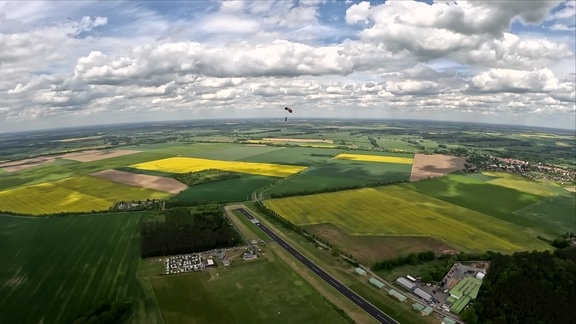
(77, 194)
(295, 155)
(62, 169)
(261, 291)
(59, 268)
(340, 174)
(236, 189)
(214, 151)
(511, 192)
(394, 210)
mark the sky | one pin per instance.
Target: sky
(76, 63)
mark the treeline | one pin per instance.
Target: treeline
(527, 287)
(433, 273)
(560, 242)
(117, 312)
(188, 230)
(204, 176)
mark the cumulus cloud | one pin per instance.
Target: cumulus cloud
(133, 61)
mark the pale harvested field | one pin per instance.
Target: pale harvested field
(374, 158)
(299, 140)
(436, 165)
(13, 166)
(169, 185)
(94, 155)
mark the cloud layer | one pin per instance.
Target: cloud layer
(492, 61)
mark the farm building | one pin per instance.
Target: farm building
(422, 294)
(480, 275)
(427, 311)
(405, 283)
(468, 286)
(226, 262)
(360, 271)
(418, 307)
(448, 320)
(397, 295)
(459, 305)
(423, 310)
(376, 283)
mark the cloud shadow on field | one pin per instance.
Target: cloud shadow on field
(340, 175)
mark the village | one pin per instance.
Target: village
(535, 171)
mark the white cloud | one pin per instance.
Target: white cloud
(134, 61)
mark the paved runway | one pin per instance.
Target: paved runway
(354, 297)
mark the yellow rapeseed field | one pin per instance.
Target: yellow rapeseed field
(186, 164)
(393, 210)
(77, 194)
(375, 158)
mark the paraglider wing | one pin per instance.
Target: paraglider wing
(288, 109)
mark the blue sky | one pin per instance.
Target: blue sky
(67, 63)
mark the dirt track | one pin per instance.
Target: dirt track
(141, 180)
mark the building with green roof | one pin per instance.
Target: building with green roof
(376, 282)
(418, 307)
(469, 286)
(427, 311)
(360, 271)
(448, 320)
(459, 305)
(397, 295)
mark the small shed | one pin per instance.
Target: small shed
(376, 283)
(397, 295)
(448, 320)
(226, 262)
(360, 271)
(418, 307)
(427, 311)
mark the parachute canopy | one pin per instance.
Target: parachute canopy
(288, 109)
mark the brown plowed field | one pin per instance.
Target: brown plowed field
(436, 165)
(14, 166)
(94, 155)
(142, 180)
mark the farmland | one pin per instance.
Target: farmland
(57, 269)
(368, 249)
(235, 189)
(394, 210)
(512, 194)
(183, 165)
(375, 158)
(340, 174)
(77, 194)
(255, 292)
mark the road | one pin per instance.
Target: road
(347, 292)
